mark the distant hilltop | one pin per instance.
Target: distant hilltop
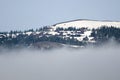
(87, 23)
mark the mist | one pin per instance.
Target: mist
(101, 63)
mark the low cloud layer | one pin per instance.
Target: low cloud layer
(61, 64)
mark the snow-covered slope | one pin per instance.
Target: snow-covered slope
(86, 23)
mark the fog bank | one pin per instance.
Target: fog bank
(61, 64)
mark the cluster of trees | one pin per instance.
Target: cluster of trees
(100, 35)
(45, 28)
(25, 40)
(70, 29)
(105, 33)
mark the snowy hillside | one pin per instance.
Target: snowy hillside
(87, 23)
(76, 32)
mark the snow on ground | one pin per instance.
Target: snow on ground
(79, 38)
(37, 32)
(8, 35)
(87, 33)
(53, 33)
(87, 23)
(28, 33)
